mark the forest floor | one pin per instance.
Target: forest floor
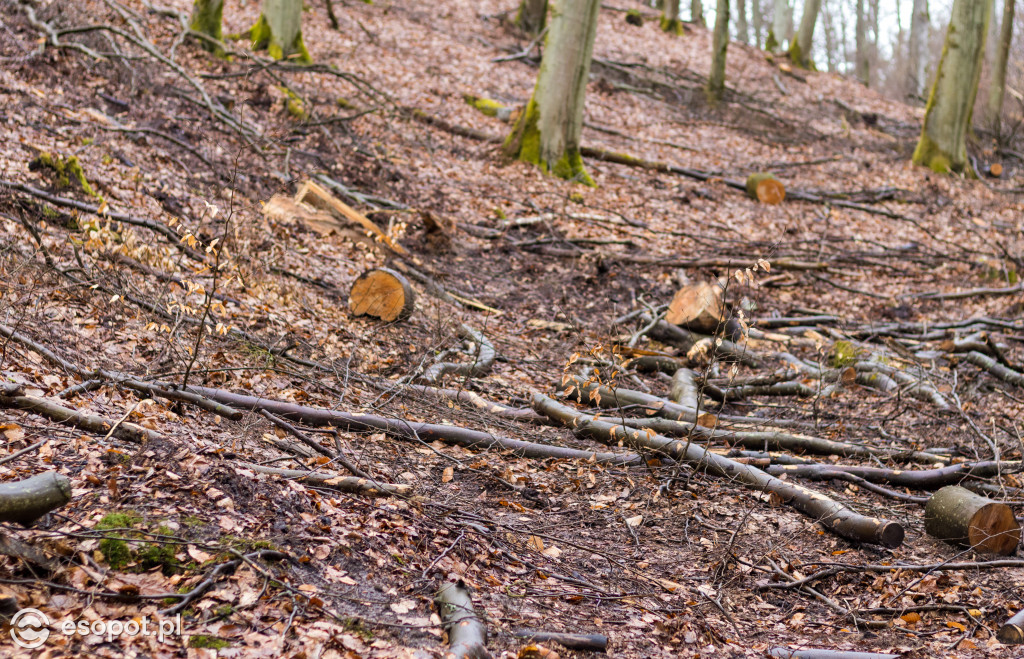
(169, 271)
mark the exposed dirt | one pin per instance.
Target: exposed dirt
(664, 560)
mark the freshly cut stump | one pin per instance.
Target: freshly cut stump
(699, 307)
(959, 516)
(764, 187)
(382, 293)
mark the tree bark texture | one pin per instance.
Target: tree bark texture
(27, 500)
(719, 45)
(803, 42)
(532, 15)
(947, 120)
(467, 631)
(697, 12)
(279, 31)
(962, 517)
(207, 18)
(916, 49)
(997, 85)
(670, 18)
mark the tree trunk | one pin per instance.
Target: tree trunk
(670, 18)
(830, 40)
(532, 15)
(467, 631)
(547, 132)
(800, 49)
(947, 118)
(207, 19)
(719, 44)
(27, 500)
(777, 33)
(997, 85)
(957, 515)
(861, 69)
(742, 32)
(697, 12)
(279, 31)
(918, 39)
(757, 21)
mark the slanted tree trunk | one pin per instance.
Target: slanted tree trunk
(800, 49)
(997, 86)
(861, 67)
(207, 18)
(532, 15)
(918, 39)
(279, 31)
(719, 44)
(547, 132)
(742, 31)
(947, 118)
(697, 12)
(670, 17)
(777, 32)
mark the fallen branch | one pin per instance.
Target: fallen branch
(97, 424)
(481, 364)
(1012, 631)
(467, 632)
(29, 499)
(224, 569)
(588, 642)
(352, 484)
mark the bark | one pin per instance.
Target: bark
(830, 514)
(547, 132)
(588, 642)
(524, 415)
(279, 31)
(467, 632)
(95, 424)
(684, 389)
(532, 15)
(697, 12)
(802, 45)
(919, 23)
(777, 33)
(997, 85)
(353, 484)
(787, 653)
(861, 66)
(1012, 631)
(742, 31)
(757, 21)
(481, 364)
(719, 45)
(29, 499)
(943, 143)
(207, 18)
(670, 18)
(919, 479)
(970, 520)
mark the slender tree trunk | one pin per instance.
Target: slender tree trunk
(532, 15)
(279, 31)
(670, 17)
(918, 39)
(861, 69)
(830, 39)
(997, 86)
(207, 18)
(742, 31)
(719, 44)
(697, 12)
(803, 43)
(777, 33)
(547, 132)
(757, 21)
(947, 118)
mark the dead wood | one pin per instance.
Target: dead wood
(686, 340)
(765, 188)
(699, 307)
(221, 570)
(353, 484)
(588, 642)
(918, 479)
(316, 196)
(1012, 631)
(467, 631)
(29, 499)
(995, 368)
(831, 514)
(299, 435)
(91, 422)
(787, 653)
(970, 520)
(684, 388)
(382, 293)
(524, 415)
(481, 364)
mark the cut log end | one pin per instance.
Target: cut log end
(382, 293)
(962, 517)
(891, 534)
(994, 529)
(765, 188)
(995, 170)
(697, 306)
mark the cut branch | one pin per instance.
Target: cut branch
(467, 631)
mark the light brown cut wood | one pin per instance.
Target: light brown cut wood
(764, 187)
(960, 516)
(284, 210)
(995, 170)
(319, 198)
(382, 293)
(697, 306)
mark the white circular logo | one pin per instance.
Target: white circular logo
(30, 628)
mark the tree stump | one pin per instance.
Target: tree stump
(699, 307)
(382, 293)
(959, 516)
(995, 170)
(764, 187)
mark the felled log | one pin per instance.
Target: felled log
(65, 415)
(995, 170)
(959, 516)
(29, 499)
(352, 484)
(1012, 631)
(918, 479)
(786, 653)
(467, 632)
(382, 293)
(830, 514)
(316, 196)
(684, 388)
(764, 187)
(591, 642)
(699, 307)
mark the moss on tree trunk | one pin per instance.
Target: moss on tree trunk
(720, 43)
(207, 18)
(670, 18)
(800, 48)
(279, 31)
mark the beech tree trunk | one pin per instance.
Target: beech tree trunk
(757, 21)
(719, 44)
(547, 132)
(957, 515)
(670, 17)
(947, 119)
(777, 33)
(207, 18)
(997, 86)
(742, 32)
(532, 15)
(861, 67)
(279, 31)
(697, 12)
(27, 500)
(918, 39)
(803, 43)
